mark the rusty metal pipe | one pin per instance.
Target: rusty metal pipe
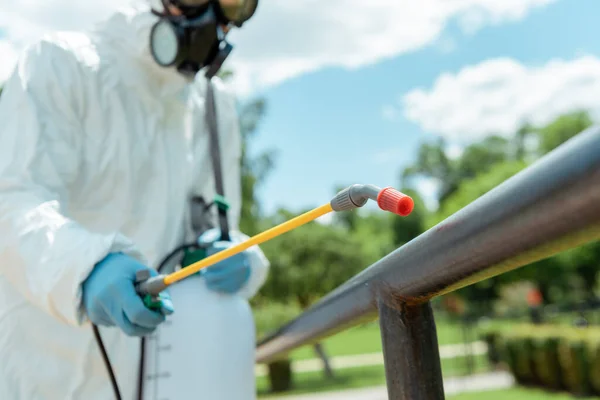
(551, 206)
(410, 351)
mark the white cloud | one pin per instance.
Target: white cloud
(428, 189)
(326, 219)
(498, 95)
(454, 151)
(349, 33)
(493, 12)
(25, 21)
(289, 38)
(446, 45)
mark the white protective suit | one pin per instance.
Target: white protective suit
(100, 151)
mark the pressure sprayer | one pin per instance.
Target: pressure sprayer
(355, 196)
(178, 366)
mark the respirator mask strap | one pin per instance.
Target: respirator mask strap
(165, 12)
(225, 48)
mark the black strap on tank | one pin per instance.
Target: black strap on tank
(215, 153)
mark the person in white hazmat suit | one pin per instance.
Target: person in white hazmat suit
(103, 145)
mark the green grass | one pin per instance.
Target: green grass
(366, 339)
(314, 382)
(516, 394)
(360, 377)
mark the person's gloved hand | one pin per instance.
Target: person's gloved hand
(110, 299)
(229, 275)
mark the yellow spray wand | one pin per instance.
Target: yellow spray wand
(353, 197)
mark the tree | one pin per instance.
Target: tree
(582, 261)
(405, 229)
(485, 165)
(254, 169)
(524, 134)
(551, 275)
(481, 157)
(470, 190)
(562, 129)
(585, 261)
(310, 261)
(433, 162)
(481, 295)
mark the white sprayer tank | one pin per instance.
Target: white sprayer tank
(205, 350)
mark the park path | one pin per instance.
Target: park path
(373, 359)
(452, 386)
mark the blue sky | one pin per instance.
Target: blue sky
(353, 87)
(328, 127)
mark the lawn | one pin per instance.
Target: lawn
(517, 394)
(353, 378)
(363, 340)
(366, 339)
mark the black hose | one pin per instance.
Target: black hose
(113, 379)
(161, 266)
(106, 359)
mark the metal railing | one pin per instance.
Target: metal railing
(551, 206)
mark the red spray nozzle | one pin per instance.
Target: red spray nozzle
(389, 199)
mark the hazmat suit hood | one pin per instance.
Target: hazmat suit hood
(123, 40)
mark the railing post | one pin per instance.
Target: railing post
(411, 355)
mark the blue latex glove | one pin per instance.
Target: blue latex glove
(110, 299)
(229, 275)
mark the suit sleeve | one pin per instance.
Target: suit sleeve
(44, 254)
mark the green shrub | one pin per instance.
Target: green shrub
(594, 365)
(521, 358)
(546, 362)
(571, 354)
(269, 317)
(550, 356)
(493, 353)
(507, 354)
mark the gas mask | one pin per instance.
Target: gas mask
(195, 39)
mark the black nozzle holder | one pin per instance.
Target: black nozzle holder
(147, 284)
(354, 197)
